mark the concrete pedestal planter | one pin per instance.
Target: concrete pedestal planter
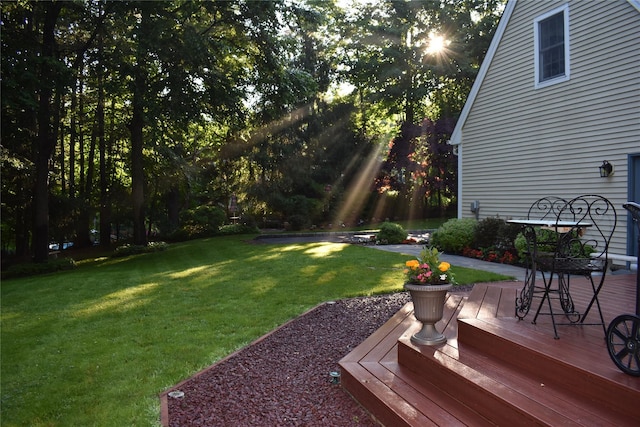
(428, 307)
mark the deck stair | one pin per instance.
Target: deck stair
(494, 369)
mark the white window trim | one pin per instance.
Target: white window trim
(567, 74)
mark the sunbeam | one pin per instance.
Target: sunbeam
(233, 148)
(359, 191)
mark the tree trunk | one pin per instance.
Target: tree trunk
(136, 127)
(105, 206)
(22, 231)
(173, 208)
(104, 178)
(83, 238)
(45, 142)
(73, 138)
(137, 172)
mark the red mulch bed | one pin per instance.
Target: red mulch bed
(284, 378)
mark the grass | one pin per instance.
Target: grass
(95, 346)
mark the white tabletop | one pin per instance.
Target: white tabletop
(552, 224)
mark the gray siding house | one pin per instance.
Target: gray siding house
(557, 94)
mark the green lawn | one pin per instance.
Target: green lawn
(95, 346)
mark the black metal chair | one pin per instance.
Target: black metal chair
(583, 228)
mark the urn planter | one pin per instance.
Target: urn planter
(428, 307)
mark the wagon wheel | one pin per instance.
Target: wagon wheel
(623, 343)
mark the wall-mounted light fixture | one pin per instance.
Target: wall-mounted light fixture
(475, 208)
(606, 169)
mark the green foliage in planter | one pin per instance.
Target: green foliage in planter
(391, 233)
(32, 268)
(454, 235)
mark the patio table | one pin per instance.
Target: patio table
(540, 265)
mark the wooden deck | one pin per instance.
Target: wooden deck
(496, 369)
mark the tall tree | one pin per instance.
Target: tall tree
(45, 142)
(136, 125)
(20, 48)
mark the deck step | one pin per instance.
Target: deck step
(494, 370)
(572, 362)
(505, 394)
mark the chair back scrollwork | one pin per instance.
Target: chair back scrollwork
(583, 248)
(546, 208)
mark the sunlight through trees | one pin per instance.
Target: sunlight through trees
(120, 117)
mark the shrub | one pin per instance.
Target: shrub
(211, 216)
(487, 232)
(521, 247)
(547, 242)
(126, 250)
(495, 232)
(203, 221)
(391, 233)
(33, 268)
(185, 232)
(246, 225)
(297, 222)
(455, 235)
(244, 228)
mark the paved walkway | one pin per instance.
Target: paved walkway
(456, 260)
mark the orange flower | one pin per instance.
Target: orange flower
(444, 266)
(412, 264)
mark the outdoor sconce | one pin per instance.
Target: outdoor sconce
(606, 169)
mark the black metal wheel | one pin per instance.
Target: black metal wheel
(623, 343)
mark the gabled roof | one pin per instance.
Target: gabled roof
(456, 137)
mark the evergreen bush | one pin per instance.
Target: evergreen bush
(297, 222)
(391, 234)
(455, 235)
(496, 233)
(202, 221)
(487, 232)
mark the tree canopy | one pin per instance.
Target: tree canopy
(118, 118)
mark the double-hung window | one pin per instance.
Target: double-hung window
(551, 36)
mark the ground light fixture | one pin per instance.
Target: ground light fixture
(177, 394)
(606, 169)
